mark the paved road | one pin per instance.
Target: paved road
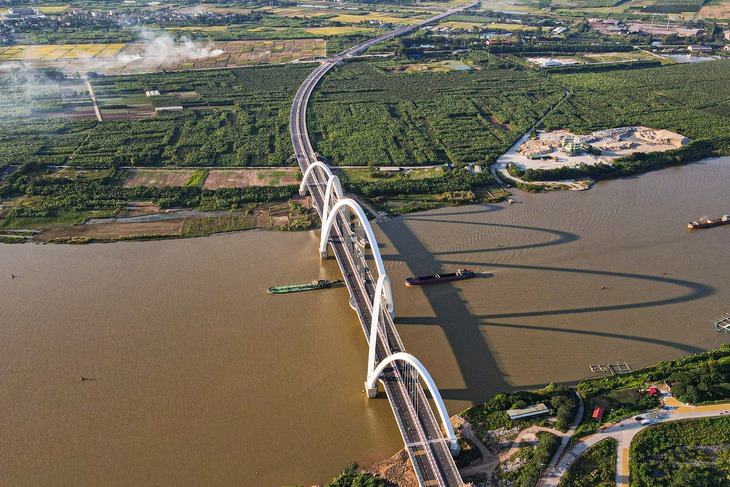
(625, 431)
(421, 432)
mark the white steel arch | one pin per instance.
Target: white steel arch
(333, 185)
(308, 171)
(435, 394)
(383, 280)
(327, 229)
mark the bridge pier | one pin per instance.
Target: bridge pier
(372, 392)
(454, 448)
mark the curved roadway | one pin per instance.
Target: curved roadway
(428, 450)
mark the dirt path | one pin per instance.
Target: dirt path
(489, 462)
(532, 430)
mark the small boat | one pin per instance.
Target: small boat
(437, 278)
(510, 200)
(705, 223)
(294, 288)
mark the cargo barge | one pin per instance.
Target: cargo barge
(705, 223)
(438, 278)
(294, 288)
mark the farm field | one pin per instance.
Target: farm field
(156, 177)
(339, 30)
(612, 57)
(455, 24)
(715, 9)
(683, 98)
(508, 5)
(241, 178)
(365, 113)
(337, 15)
(141, 57)
(137, 58)
(232, 117)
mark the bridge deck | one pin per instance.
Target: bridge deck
(421, 432)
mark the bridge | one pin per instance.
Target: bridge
(430, 443)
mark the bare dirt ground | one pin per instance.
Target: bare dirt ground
(496, 121)
(157, 177)
(132, 112)
(140, 208)
(613, 143)
(486, 467)
(267, 216)
(396, 469)
(241, 178)
(103, 231)
(716, 11)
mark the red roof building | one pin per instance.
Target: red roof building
(598, 413)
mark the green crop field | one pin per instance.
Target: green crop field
(688, 99)
(364, 113)
(239, 118)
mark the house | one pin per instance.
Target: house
(653, 391)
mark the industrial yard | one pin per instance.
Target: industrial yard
(548, 150)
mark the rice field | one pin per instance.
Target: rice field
(336, 31)
(349, 18)
(390, 19)
(52, 9)
(488, 25)
(139, 57)
(58, 52)
(136, 59)
(201, 28)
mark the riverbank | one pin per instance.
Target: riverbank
(660, 393)
(147, 221)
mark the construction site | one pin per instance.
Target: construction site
(548, 150)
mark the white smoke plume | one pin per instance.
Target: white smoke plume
(163, 49)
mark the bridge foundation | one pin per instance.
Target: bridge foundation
(372, 392)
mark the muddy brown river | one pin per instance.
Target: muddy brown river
(197, 376)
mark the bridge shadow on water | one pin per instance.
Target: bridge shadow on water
(480, 371)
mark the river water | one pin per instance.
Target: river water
(197, 376)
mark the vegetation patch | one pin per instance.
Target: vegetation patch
(561, 401)
(688, 453)
(596, 467)
(527, 469)
(199, 227)
(704, 377)
(197, 179)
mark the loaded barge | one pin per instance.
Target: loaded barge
(437, 278)
(293, 288)
(705, 223)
